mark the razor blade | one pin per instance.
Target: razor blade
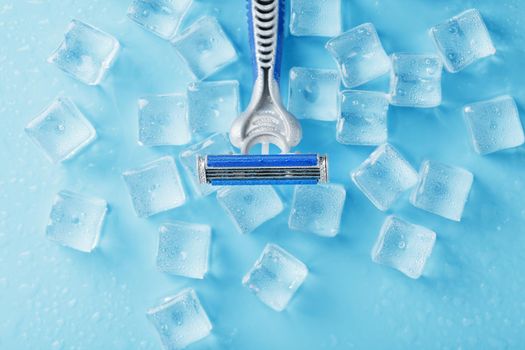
(275, 169)
(265, 121)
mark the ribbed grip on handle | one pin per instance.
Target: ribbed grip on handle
(265, 19)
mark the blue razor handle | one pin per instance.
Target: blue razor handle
(266, 35)
(266, 121)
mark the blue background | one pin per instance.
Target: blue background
(471, 296)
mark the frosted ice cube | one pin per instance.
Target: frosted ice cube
(403, 246)
(494, 124)
(250, 206)
(86, 53)
(313, 93)
(216, 144)
(180, 320)
(212, 106)
(363, 118)
(161, 17)
(163, 120)
(317, 209)
(315, 17)
(462, 40)
(359, 54)
(442, 189)
(61, 130)
(415, 80)
(275, 277)
(384, 176)
(76, 221)
(155, 187)
(205, 47)
(183, 249)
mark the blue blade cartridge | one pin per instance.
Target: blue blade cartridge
(275, 169)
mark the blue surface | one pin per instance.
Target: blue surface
(471, 296)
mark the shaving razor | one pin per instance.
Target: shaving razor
(266, 121)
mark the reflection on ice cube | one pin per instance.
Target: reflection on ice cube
(155, 187)
(86, 53)
(180, 320)
(76, 220)
(275, 277)
(205, 47)
(161, 17)
(403, 246)
(61, 130)
(250, 206)
(462, 40)
(313, 93)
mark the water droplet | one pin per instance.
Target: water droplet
(453, 57)
(205, 45)
(311, 92)
(215, 112)
(248, 199)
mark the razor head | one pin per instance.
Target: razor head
(275, 169)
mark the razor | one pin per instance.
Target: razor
(266, 121)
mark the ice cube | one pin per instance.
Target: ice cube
(216, 144)
(363, 118)
(76, 221)
(384, 176)
(61, 130)
(155, 187)
(313, 93)
(275, 277)
(317, 209)
(161, 17)
(180, 320)
(212, 106)
(403, 246)
(494, 124)
(359, 54)
(315, 17)
(415, 80)
(183, 249)
(86, 53)
(205, 47)
(442, 189)
(250, 207)
(462, 40)
(163, 120)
